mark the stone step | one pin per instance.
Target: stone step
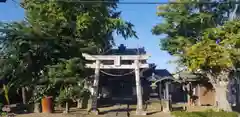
(119, 111)
(118, 114)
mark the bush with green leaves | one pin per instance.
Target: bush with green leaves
(68, 76)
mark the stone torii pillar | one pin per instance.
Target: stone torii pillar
(95, 88)
(167, 99)
(139, 110)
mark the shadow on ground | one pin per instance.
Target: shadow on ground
(152, 113)
(236, 108)
(177, 109)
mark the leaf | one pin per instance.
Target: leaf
(192, 31)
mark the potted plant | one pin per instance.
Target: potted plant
(64, 97)
(42, 99)
(79, 93)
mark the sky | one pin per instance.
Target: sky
(143, 16)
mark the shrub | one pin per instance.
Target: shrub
(204, 114)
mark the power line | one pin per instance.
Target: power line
(139, 3)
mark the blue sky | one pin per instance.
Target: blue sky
(142, 16)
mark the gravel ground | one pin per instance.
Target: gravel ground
(82, 115)
(153, 111)
(106, 112)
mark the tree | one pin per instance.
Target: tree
(187, 21)
(66, 77)
(217, 59)
(54, 33)
(92, 23)
(192, 32)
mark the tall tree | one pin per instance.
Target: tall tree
(191, 30)
(93, 23)
(56, 31)
(216, 59)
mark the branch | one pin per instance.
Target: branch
(211, 79)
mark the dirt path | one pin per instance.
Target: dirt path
(82, 115)
(105, 112)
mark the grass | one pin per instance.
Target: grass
(204, 114)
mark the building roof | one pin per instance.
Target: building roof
(123, 50)
(161, 73)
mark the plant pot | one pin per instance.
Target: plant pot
(47, 104)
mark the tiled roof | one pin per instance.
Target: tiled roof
(162, 73)
(123, 50)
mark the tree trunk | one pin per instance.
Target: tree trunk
(66, 108)
(221, 97)
(24, 95)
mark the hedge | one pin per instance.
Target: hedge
(204, 114)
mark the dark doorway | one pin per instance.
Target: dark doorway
(121, 88)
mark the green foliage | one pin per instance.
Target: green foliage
(65, 94)
(90, 23)
(66, 76)
(204, 114)
(41, 91)
(46, 49)
(184, 23)
(66, 71)
(217, 57)
(208, 55)
(3, 114)
(192, 31)
(6, 89)
(68, 93)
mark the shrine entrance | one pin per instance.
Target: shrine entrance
(121, 88)
(117, 90)
(120, 62)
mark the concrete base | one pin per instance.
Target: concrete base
(37, 108)
(166, 110)
(79, 103)
(141, 112)
(167, 106)
(94, 111)
(89, 104)
(184, 108)
(65, 112)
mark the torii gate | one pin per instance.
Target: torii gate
(137, 65)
